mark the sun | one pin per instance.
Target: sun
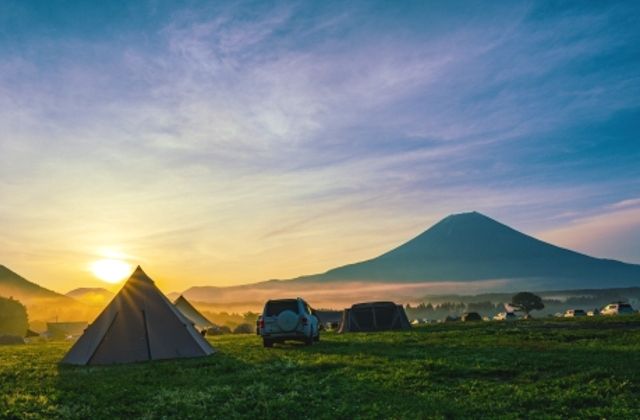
(110, 270)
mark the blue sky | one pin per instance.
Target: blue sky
(230, 142)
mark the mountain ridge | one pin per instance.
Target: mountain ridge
(467, 252)
(471, 247)
(13, 284)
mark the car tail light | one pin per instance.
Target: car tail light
(304, 320)
(261, 323)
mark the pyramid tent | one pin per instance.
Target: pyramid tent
(197, 319)
(374, 316)
(139, 324)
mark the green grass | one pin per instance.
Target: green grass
(540, 368)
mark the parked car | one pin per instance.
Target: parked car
(471, 316)
(332, 326)
(505, 316)
(594, 312)
(572, 313)
(617, 308)
(288, 319)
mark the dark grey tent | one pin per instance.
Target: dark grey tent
(374, 316)
(139, 324)
(471, 316)
(31, 334)
(188, 310)
(328, 318)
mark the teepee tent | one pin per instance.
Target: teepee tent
(139, 324)
(197, 319)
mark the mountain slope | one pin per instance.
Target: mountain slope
(471, 247)
(43, 305)
(12, 284)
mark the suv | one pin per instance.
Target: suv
(572, 313)
(288, 319)
(505, 316)
(618, 308)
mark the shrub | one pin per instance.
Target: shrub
(243, 329)
(13, 317)
(11, 339)
(219, 330)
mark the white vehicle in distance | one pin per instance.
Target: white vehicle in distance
(618, 308)
(288, 319)
(505, 316)
(572, 313)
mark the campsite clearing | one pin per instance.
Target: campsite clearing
(584, 367)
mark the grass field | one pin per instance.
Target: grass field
(538, 368)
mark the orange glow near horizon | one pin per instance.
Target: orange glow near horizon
(181, 258)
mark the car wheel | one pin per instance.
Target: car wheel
(267, 343)
(308, 341)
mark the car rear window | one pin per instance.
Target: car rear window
(275, 307)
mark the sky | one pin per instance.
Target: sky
(222, 143)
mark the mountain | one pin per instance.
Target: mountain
(12, 284)
(92, 296)
(473, 247)
(465, 253)
(43, 305)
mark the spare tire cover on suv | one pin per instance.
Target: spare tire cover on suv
(287, 320)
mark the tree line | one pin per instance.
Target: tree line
(523, 302)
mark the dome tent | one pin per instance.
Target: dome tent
(374, 316)
(139, 324)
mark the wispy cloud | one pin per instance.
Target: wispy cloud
(632, 202)
(613, 231)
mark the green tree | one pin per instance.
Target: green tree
(526, 302)
(13, 317)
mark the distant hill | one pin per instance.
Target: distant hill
(92, 296)
(43, 305)
(472, 247)
(12, 284)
